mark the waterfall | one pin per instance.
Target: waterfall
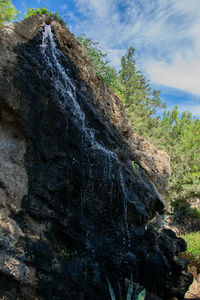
(60, 78)
(64, 86)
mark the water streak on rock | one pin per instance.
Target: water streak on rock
(63, 85)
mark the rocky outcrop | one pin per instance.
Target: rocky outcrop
(74, 210)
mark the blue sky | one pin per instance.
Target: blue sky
(165, 34)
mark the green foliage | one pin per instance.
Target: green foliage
(101, 64)
(193, 241)
(130, 293)
(196, 213)
(181, 209)
(135, 91)
(112, 293)
(130, 289)
(44, 11)
(68, 254)
(7, 12)
(141, 295)
(134, 165)
(193, 249)
(179, 135)
(141, 100)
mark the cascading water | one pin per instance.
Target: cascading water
(60, 79)
(64, 86)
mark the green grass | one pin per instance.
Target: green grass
(196, 212)
(193, 240)
(193, 249)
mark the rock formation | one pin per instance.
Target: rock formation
(74, 210)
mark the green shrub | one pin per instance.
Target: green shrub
(182, 209)
(196, 212)
(99, 58)
(42, 11)
(134, 165)
(193, 249)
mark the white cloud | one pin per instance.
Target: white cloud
(180, 69)
(23, 3)
(186, 106)
(115, 55)
(165, 34)
(63, 7)
(194, 109)
(183, 74)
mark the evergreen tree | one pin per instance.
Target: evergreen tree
(179, 135)
(7, 12)
(141, 100)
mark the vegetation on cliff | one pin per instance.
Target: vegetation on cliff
(99, 59)
(7, 12)
(44, 11)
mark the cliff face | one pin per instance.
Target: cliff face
(73, 208)
(156, 163)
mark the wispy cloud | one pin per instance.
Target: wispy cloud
(184, 100)
(194, 109)
(182, 73)
(164, 33)
(63, 7)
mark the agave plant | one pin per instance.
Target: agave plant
(130, 295)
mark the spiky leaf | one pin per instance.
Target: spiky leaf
(130, 289)
(112, 293)
(141, 295)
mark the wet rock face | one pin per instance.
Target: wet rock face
(155, 163)
(80, 210)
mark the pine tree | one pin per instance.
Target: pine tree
(179, 135)
(141, 100)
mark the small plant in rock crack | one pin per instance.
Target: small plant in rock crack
(134, 165)
(68, 254)
(131, 295)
